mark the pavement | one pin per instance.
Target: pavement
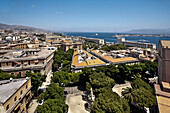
(32, 108)
(48, 80)
(74, 100)
(118, 88)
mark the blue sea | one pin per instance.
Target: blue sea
(109, 37)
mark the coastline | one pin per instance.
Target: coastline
(112, 37)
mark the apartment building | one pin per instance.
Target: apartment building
(26, 60)
(65, 43)
(14, 46)
(162, 89)
(15, 95)
(121, 40)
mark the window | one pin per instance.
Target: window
(22, 101)
(26, 86)
(7, 107)
(15, 98)
(28, 62)
(21, 92)
(13, 64)
(7, 64)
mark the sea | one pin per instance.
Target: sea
(109, 37)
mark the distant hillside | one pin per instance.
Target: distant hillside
(20, 28)
(150, 31)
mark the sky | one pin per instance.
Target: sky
(87, 15)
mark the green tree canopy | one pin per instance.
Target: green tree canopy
(139, 83)
(61, 77)
(53, 106)
(100, 82)
(36, 80)
(114, 47)
(5, 76)
(54, 100)
(110, 102)
(140, 94)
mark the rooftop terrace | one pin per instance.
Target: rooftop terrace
(25, 54)
(8, 88)
(82, 58)
(114, 60)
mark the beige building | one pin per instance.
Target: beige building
(162, 90)
(15, 95)
(27, 60)
(164, 61)
(95, 40)
(65, 43)
(121, 40)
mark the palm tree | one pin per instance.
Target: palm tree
(130, 95)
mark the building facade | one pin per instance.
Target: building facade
(27, 60)
(15, 95)
(164, 61)
(65, 43)
(162, 89)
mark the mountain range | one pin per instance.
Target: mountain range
(135, 31)
(150, 31)
(20, 28)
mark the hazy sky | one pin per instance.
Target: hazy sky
(87, 15)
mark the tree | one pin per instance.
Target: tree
(66, 65)
(130, 95)
(110, 102)
(88, 86)
(114, 47)
(54, 100)
(145, 98)
(53, 106)
(124, 73)
(75, 77)
(152, 67)
(68, 55)
(110, 70)
(36, 80)
(61, 77)
(5, 76)
(140, 94)
(139, 83)
(84, 77)
(100, 82)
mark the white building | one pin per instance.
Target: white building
(121, 40)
